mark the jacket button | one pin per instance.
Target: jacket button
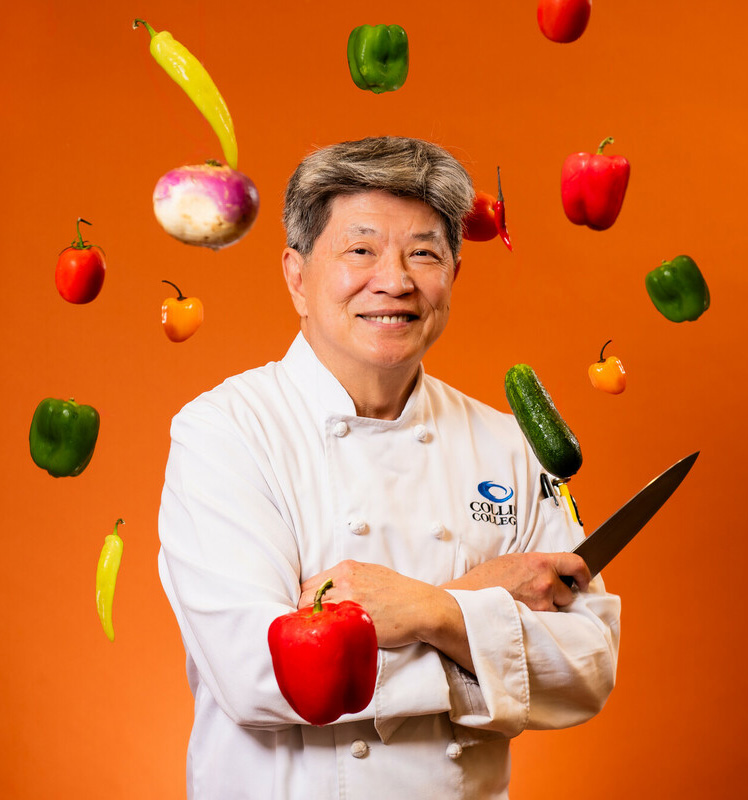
(358, 526)
(340, 429)
(359, 748)
(421, 433)
(438, 531)
(454, 750)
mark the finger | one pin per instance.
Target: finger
(563, 595)
(313, 583)
(308, 595)
(572, 565)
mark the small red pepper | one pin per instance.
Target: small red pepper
(488, 217)
(325, 658)
(608, 373)
(80, 270)
(593, 186)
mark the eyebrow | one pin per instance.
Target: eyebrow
(363, 230)
(428, 236)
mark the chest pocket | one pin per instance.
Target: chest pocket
(490, 529)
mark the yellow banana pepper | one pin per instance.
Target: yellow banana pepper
(192, 76)
(106, 578)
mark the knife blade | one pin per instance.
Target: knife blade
(604, 543)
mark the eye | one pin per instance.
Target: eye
(360, 251)
(425, 254)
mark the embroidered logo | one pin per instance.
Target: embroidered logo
(502, 495)
(495, 506)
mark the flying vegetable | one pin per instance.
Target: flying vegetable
(106, 578)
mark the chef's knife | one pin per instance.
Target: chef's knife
(603, 544)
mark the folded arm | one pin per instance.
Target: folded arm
(405, 610)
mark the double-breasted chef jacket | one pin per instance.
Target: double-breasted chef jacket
(272, 478)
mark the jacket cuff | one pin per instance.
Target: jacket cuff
(498, 699)
(410, 683)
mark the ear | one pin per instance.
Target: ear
(293, 263)
(458, 264)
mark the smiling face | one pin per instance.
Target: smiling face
(374, 293)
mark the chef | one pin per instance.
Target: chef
(345, 460)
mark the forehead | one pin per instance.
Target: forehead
(377, 211)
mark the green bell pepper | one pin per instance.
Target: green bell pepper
(63, 436)
(678, 289)
(378, 57)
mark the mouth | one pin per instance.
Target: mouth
(388, 319)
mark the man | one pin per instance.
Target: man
(345, 460)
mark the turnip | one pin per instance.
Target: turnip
(209, 205)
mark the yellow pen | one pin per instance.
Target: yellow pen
(564, 490)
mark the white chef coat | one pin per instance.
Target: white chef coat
(272, 478)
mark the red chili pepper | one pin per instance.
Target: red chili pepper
(488, 217)
(325, 658)
(593, 186)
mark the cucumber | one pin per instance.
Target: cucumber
(551, 439)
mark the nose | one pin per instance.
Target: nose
(392, 276)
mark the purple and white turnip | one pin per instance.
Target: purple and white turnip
(208, 205)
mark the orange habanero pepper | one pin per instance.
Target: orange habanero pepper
(608, 373)
(181, 316)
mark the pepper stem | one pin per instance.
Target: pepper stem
(499, 193)
(606, 141)
(117, 523)
(602, 357)
(145, 25)
(179, 291)
(318, 597)
(80, 244)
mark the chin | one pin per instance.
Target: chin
(394, 358)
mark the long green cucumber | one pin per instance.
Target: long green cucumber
(549, 436)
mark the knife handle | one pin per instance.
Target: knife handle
(568, 580)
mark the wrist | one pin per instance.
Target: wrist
(444, 629)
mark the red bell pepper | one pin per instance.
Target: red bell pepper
(488, 217)
(593, 186)
(563, 20)
(325, 658)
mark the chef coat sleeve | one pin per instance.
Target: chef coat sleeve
(536, 669)
(228, 562)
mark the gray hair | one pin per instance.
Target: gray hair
(402, 166)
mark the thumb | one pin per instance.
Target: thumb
(573, 566)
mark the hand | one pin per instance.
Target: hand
(403, 609)
(531, 578)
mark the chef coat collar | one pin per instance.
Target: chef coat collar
(324, 390)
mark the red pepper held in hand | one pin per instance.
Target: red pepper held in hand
(488, 218)
(325, 658)
(608, 373)
(181, 316)
(593, 186)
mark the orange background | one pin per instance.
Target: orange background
(89, 124)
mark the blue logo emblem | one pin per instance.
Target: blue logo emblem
(502, 494)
